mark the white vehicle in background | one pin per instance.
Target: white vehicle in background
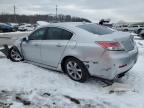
(135, 28)
(121, 27)
(26, 27)
(132, 28)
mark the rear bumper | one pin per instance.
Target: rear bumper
(129, 63)
(111, 64)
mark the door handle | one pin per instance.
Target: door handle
(59, 45)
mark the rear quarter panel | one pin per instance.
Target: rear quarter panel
(83, 46)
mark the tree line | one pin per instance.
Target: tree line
(4, 18)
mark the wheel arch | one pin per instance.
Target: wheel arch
(15, 48)
(64, 59)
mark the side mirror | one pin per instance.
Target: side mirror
(25, 39)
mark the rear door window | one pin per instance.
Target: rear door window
(54, 33)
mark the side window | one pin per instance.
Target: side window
(66, 35)
(54, 33)
(38, 34)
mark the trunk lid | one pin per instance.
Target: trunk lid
(124, 38)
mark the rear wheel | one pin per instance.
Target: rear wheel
(15, 55)
(76, 70)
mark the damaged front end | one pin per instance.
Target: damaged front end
(5, 50)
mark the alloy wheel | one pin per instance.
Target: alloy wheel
(74, 70)
(15, 55)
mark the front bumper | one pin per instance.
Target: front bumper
(112, 63)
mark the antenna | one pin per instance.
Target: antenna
(56, 12)
(14, 7)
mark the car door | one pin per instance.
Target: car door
(54, 45)
(32, 48)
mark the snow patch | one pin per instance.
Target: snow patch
(45, 88)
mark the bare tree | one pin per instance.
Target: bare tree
(4, 17)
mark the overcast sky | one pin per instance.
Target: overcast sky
(94, 10)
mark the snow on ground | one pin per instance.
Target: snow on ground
(23, 83)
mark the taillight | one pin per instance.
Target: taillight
(110, 45)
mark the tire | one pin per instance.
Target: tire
(76, 70)
(15, 55)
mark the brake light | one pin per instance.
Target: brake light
(110, 45)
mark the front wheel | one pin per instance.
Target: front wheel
(76, 70)
(15, 55)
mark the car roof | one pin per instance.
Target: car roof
(72, 26)
(67, 24)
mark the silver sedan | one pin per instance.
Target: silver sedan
(79, 49)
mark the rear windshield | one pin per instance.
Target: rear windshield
(96, 29)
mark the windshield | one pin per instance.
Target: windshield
(96, 29)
